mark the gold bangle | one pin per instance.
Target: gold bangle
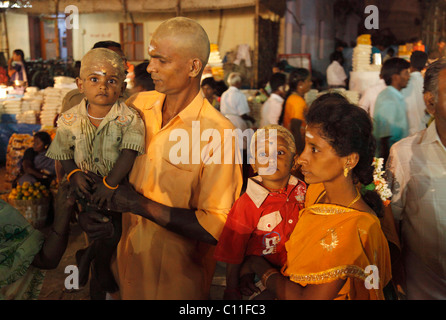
(71, 173)
(106, 184)
(268, 274)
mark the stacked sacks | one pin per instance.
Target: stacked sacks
(52, 105)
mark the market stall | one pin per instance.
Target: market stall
(30, 110)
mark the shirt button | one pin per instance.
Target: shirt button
(290, 221)
(73, 137)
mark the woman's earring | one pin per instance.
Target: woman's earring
(346, 170)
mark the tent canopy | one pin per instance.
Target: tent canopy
(147, 6)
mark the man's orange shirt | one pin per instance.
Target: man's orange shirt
(152, 262)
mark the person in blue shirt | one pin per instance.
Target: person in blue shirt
(390, 122)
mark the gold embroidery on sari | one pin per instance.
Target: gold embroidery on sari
(324, 209)
(334, 240)
(329, 275)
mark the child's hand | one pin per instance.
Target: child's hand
(102, 195)
(81, 184)
(247, 285)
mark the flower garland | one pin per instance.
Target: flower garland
(379, 184)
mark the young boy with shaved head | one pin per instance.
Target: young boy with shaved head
(103, 136)
(175, 212)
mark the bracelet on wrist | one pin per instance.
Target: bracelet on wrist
(268, 274)
(71, 173)
(106, 184)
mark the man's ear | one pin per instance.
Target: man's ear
(429, 100)
(80, 84)
(195, 68)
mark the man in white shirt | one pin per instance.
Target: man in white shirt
(234, 106)
(272, 108)
(336, 77)
(367, 101)
(413, 93)
(417, 172)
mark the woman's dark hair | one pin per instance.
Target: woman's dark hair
(348, 129)
(296, 76)
(20, 53)
(44, 137)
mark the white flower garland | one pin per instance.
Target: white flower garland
(381, 186)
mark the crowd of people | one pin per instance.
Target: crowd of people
(302, 216)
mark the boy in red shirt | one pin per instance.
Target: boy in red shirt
(262, 219)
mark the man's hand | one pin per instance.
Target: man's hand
(124, 197)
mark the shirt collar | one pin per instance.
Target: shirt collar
(431, 135)
(395, 92)
(116, 110)
(188, 114)
(258, 193)
(276, 97)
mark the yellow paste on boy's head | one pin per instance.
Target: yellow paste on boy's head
(96, 61)
(265, 136)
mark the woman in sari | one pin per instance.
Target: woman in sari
(25, 252)
(337, 249)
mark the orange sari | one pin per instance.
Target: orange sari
(333, 242)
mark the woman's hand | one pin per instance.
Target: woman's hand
(64, 205)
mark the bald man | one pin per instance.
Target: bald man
(177, 205)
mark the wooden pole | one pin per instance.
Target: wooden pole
(56, 27)
(178, 8)
(256, 45)
(6, 34)
(220, 25)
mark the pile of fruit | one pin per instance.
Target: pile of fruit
(28, 191)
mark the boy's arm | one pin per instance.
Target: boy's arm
(105, 189)
(122, 167)
(78, 180)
